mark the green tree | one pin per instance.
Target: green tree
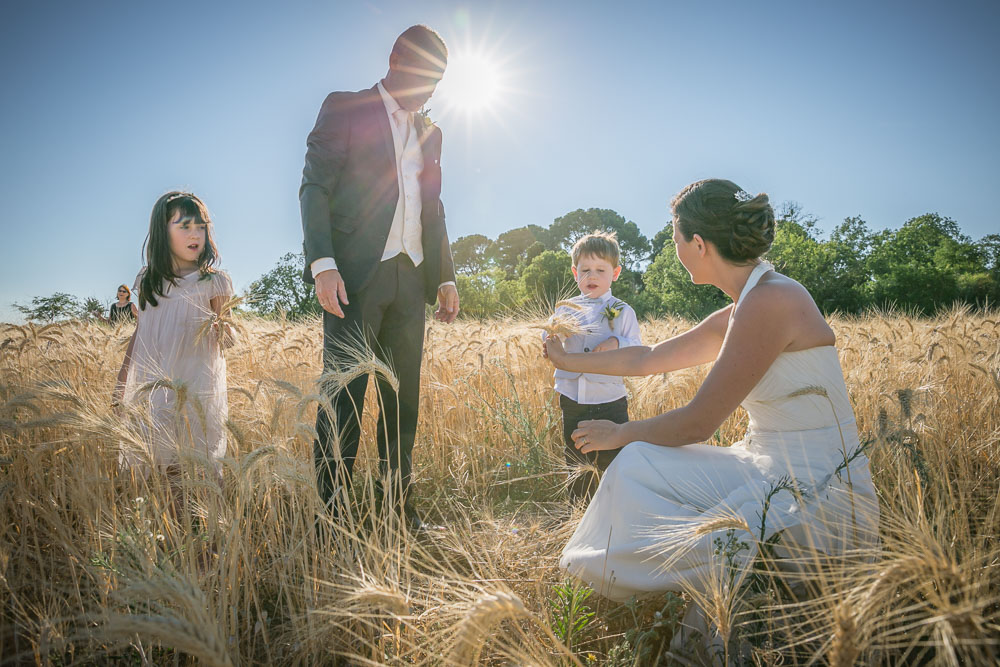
(566, 230)
(797, 253)
(668, 289)
(471, 253)
(660, 239)
(59, 306)
(509, 249)
(488, 293)
(851, 245)
(549, 276)
(282, 290)
(921, 264)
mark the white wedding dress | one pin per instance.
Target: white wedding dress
(661, 514)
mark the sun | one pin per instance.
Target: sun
(472, 83)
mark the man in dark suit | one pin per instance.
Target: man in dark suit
(376, 248)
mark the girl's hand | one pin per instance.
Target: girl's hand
(224, 334)
(596, 435)
(553, 350)
(118, 394)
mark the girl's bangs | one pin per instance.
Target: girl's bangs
(189, 208)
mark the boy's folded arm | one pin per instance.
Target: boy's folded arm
(628, 332)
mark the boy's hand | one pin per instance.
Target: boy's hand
(609, 344)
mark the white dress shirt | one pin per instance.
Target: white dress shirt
(405, 231)
(593, 388)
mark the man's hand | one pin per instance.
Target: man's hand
(609, 344)
(330, 292)
(447, 303)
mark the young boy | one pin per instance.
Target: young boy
(610, 324)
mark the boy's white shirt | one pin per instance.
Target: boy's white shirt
(594, 388)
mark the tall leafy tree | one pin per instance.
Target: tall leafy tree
(488, 293)
(668, 288)
(59, 306)
(471, 253)
(282, 290)
(549, 276)
(567, 229)
(509, 249)
(918, 266)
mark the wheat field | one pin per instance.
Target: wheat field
(97, 565)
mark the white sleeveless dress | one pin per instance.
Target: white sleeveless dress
(649, 527)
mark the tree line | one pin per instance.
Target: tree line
(924, 265)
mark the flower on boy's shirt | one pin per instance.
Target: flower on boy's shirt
(612, 311)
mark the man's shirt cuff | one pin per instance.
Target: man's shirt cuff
(447, 282)
(322, 264)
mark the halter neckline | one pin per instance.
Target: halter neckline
(752, 280)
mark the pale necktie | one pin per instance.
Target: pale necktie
(403, 124)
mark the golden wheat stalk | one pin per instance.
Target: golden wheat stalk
(221, 322)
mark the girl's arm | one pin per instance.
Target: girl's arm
(119, 392)
(694, 347)
(763, 328)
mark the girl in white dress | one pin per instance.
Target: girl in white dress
(174, 366)
(666, 504)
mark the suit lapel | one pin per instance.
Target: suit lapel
(382, 122)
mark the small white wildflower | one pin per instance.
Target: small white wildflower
(160, 537)
(140, 500)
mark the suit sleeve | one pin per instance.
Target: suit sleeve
(447, 261)
(326, 152)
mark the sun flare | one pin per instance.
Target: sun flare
(473, 82)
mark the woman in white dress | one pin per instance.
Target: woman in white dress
(667, 506)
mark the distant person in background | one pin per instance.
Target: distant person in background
(123, 309)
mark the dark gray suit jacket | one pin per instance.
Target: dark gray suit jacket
(349, 192)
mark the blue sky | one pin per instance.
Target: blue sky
(885, 110)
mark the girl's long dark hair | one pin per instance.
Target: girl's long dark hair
(159, 262)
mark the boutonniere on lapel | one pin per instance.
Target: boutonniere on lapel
(422, 120)
(612, 311)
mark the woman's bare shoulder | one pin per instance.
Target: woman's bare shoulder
(784, 301)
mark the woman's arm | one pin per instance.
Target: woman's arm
(696, 346)
(762, 328)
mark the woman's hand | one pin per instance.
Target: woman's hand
(596, 435)
(553, 350)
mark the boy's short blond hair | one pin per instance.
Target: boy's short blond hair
(603, 245)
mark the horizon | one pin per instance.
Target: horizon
(849, 110)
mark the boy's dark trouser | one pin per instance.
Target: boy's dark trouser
(574, 413)
(389, 316)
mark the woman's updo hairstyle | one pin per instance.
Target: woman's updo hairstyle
(739, 225)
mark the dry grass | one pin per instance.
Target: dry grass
(95, 566)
